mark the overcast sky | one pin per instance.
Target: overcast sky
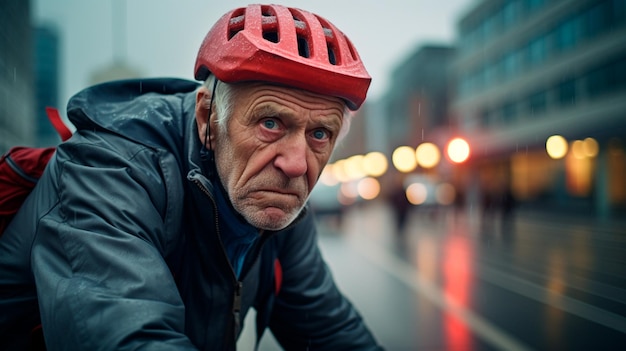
(163, 37)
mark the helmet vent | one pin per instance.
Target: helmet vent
(334, 54)
(235, 26)
(269, 25)
(302, 34)
(331, 55)
(303, 47)
(271, 36)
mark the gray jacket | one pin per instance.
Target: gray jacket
(119, 245)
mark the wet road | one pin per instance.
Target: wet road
(453, 281)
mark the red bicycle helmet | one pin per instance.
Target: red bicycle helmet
(286, 46)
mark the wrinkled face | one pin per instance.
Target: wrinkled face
(276, 144)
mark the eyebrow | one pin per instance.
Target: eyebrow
(265, 109)
(330, 121)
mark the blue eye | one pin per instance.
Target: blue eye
(269, 124)
(319, 134)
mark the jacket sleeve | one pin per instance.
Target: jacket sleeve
(309, 311)
(102, 281)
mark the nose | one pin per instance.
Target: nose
(291, 157)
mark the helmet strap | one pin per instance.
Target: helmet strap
(207, 154)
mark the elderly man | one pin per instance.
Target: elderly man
(174, 208)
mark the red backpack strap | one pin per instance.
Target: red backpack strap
(278, 276)
(58, 124)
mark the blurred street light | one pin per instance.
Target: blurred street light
(458, 150)
(556, 146)
(417, 193)
(375, 164)
(427, 155)
(445, 194)
(339, 170)
(328, 176)
(349, 190)
(578, 149)
(590, 147)
(353, 167)
(368, 188)
(403, 159)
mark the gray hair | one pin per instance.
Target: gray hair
(224, 99)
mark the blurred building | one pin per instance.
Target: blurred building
(17, 106)
(413, 110)
(531, 69)
(114, 71)
(119, 67)
(355, 142)
(416, 105)
(416, 108)
(47, 65)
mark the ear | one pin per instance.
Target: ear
(203, 96)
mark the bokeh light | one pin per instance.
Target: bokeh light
(591, 147)
(427, 155)
(375, 164)
(578, 150)
(556, 146)
(445, 194)
(368, 188)
(340, 172)
(403, 159)
(328, 176)
(458, 150)
(417, 193)
(349, 190)
(354, 167)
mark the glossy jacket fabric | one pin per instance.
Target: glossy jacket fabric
(118, 247)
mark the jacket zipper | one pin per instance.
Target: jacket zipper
(236, 308)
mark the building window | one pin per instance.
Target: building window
(509, 112)
(537, 51)
(567, 34)
(492, 24)
(532, 5)
(598, 19)
(492, 71)
(619, 12)
(465, 86)
(510, 13)
(512, 64)
(607, 79)
(485, 118)
(478, 79)
(567, 92)
(598, 81)
(538, 103)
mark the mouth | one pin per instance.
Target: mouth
(277, 191)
